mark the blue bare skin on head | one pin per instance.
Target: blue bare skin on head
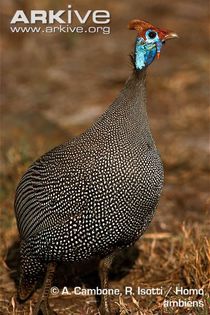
(147, 49)
(149, 42)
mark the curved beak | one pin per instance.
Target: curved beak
(170, 35)
(166, 34)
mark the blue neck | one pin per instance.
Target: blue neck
(144, 53)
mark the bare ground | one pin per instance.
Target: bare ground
(54, 86)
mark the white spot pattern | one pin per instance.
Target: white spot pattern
(95, 193)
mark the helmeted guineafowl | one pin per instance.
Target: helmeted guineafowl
(96, 193)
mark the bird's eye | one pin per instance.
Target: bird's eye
(152, 34)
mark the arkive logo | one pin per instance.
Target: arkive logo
(99, 18)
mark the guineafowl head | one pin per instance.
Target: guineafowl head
(149, 42)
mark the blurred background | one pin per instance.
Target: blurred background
(55, 85)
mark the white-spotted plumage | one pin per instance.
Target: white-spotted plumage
(95, 193)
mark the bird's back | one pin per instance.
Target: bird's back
(97, 192)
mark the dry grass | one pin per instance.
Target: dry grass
(174, 261)
(43, 106)
(166, 261)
